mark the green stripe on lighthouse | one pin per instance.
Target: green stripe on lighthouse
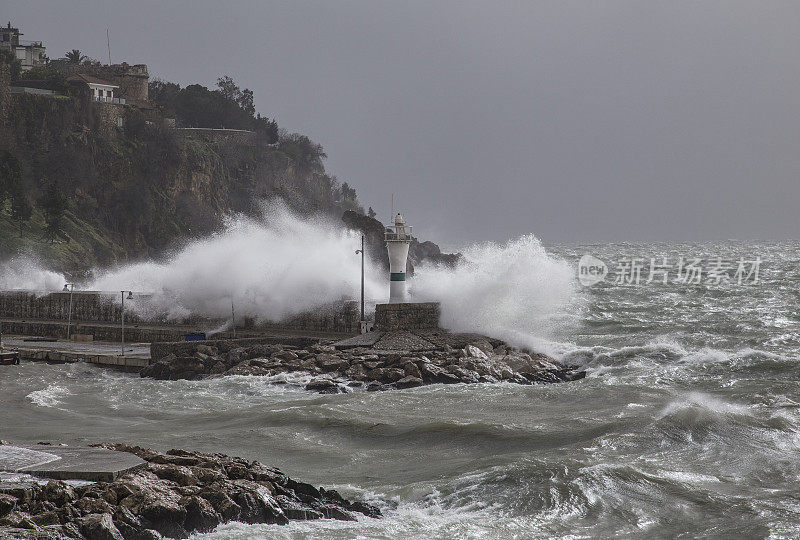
(397, 276)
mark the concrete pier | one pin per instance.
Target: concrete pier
(137, 355)
(68, 462)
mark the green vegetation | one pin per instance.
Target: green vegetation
(74, 56)
(228, 107)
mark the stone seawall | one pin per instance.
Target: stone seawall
(161, 350)
(86, 306)
(99, 313)
(97, 332)
(410, 316)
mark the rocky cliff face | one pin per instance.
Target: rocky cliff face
(138, 190)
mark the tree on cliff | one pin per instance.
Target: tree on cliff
(14, 64)
(74, 56)
(21, 209)
(164, 93)
(53, 203)
(302, 150)
(12, 187)
(371, 213)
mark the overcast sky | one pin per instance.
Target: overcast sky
(575, 121)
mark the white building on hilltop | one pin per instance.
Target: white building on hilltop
(29, 53)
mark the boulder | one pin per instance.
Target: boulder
(18, 520)
(285, 355)
(409, 382)
(7, 504)
(179, 474)
(431, 374)
(329, 362)
(200, 515)
(323, 386)
(472, 351)
(166, 517)
(411, 370)
(99, 527)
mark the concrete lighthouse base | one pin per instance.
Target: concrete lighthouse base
(408, 316)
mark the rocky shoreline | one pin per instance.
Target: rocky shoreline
(175, 494)
(396, 360)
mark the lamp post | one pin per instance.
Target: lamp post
(69, 316)
(362, 276)
(233, 319)
(122, 327)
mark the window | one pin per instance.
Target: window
(119, 121)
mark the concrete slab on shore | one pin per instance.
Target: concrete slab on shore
(137, 355)
(362, 340)
(68, 462)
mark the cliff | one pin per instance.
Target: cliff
(135, 190)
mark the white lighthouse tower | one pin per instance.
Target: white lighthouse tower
(398, 238)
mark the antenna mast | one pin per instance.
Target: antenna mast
(108, 42)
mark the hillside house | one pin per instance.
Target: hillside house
(99, 89)
(29, 53)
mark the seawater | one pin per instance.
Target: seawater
(687, 422)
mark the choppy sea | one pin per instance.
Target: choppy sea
(688, 422)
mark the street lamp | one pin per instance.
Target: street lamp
(69, 317)
(233, 319)
(362, 277)
(122, 328)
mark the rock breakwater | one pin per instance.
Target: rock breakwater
(176, 494)
(374, 361)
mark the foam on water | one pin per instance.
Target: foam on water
(282, 265)
(51, 396)
(515, 291)
(27, 274)
(272, 268)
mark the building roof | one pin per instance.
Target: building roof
(88, 79)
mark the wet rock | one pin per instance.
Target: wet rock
(17, 519)
(284, 355)
(452, 358)
(218, 367)
(356, 372)
(323, 386)
(411, 370)
(207, 350)
(433, 374)
(46, 518)
(328, 362)
(471, 351)
(99, 527)
(179, 474)
(409, 382)
(93, 505)
(7, 504)
(201, 515)
(222, 504)
(166, 517)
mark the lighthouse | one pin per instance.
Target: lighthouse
(398, 238)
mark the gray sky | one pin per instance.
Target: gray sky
(575, 121)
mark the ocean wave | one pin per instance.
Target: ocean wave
(52, 396)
